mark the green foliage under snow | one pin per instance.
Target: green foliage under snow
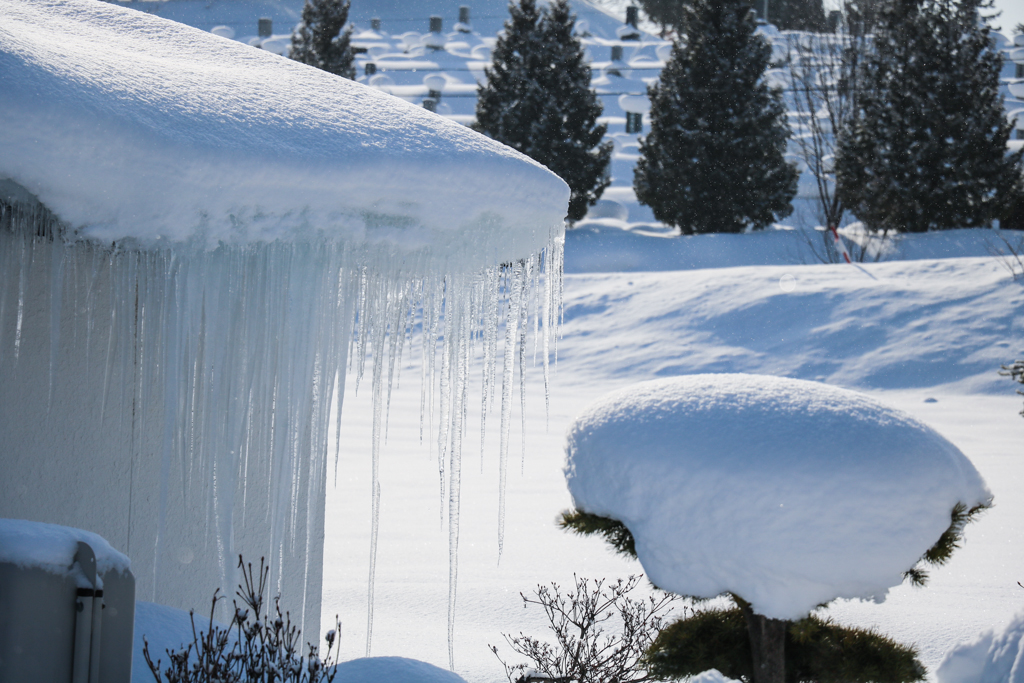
(816, 650)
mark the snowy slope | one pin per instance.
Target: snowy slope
(894, 325)
(923, 336)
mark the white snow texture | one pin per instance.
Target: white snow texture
(393, 670)
(991, 658)
(785, 492)
(129, 125)
(52, 547)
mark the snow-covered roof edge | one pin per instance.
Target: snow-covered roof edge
(128, 126)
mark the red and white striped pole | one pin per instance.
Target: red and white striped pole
(840, 246)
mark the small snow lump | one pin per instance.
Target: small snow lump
(785, 492)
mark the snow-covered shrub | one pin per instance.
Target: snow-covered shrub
(601, 634)
(783, 494)
(260, 645)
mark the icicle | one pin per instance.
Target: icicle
(524, 319)
(514, 284)
(56, 291)
(222, 370)
(455, 484)
(22, 286)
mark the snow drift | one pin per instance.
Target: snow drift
(991, 658)
(786, 492)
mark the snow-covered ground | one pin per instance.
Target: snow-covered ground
(925, 336)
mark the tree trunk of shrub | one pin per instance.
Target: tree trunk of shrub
(767, 645)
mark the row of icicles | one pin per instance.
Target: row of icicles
(245, 348)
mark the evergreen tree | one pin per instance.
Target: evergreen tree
(538, 100)
(798, 15)
(787, 15)
(713, 159)
(927, 149)
(665, 13)
(322, 40)
(862, 16)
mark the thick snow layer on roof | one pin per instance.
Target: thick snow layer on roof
(990, 658)
(52, 547)
(130, 126)
(785, 492)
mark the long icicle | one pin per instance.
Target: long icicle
(511, 323)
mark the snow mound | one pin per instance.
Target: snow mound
(52, 547)
(785, 492)
(991, 658)
(127, 125)
(393, 670)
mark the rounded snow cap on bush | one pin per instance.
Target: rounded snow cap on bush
(393, 670)
(785, 492)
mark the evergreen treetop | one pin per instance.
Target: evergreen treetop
(713, 161)
(927, 148)
(787, 15)
(322, 39)
(537, 99)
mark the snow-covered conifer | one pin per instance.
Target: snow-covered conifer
(322, 39)
(713, 161)
(927, 149)
(537, 99)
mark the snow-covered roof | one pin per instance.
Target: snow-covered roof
(785, 492)
(127, 125)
